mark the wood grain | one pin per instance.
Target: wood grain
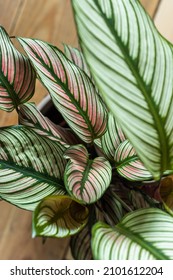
(52, 21)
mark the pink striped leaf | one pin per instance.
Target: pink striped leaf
(113, 137)
(128, 164)
(17, 77)
(76, 56)
(31, 117)
(72, 91)
(59, 216)
(31, 167)
(85, 179)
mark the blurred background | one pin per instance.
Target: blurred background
(52, 21)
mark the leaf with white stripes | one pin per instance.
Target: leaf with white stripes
(31, 117)
(76, 56)
(17, 77)
(112, 138)
(72, 91)
(144, 234)
(59, 216)
(132, 65)
(31, 167)
(85, 179)
(128, 164)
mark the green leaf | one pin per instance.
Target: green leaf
(17, 77)
(113, 137)
(76, 56)
(31, 167)
(86, 179)
(144, 234)
(132, 65)
(72, 91)
(59, 216)
(128, 164)
(31, 117)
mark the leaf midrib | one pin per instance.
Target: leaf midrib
(164, 148)
(29, 172)
(141, 242)
(66, 90)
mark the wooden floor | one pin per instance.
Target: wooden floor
(50, 20)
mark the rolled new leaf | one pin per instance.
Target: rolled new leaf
(85, 179)
(59, 216)
(132, 65)
(72, 91)
(144, 234)
(128, 164)
(17, 77)
(31, 167)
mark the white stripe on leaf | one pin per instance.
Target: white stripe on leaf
(72, 91)
(59, 216)
(145, 234)
(17, 77)
(86, 179)
(132, 66)
(31, 167)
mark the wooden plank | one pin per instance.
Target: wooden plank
(150, 6)
(50, 21)
(163, 19)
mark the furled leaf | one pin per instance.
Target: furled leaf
(132, 65)
(17, 77)
(76, 56)
(72, 91)
(59, 216)
(31, 117)
(112, 138)
(144, 234)
(31, 167)
(86, 179)
(128, 164)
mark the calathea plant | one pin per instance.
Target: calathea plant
(102, 178)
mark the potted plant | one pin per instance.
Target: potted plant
(102, 175)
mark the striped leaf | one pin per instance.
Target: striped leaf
(112, 207)
(132, 65)
(76, 56)
(31, 117)
(144, 234)
(128, 164)
(17, 77)
(31, 167)
(80, 244)
(72, 91)
(59, 216)
(85, 179)
(112, 138)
